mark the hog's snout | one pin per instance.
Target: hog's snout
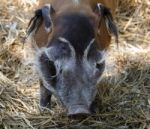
(78, 110)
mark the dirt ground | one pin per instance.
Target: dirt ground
(123, 93)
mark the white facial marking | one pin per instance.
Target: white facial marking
(88, 48)
(69, 44)
(63, 40)
(103, 53)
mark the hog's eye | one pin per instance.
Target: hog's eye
(100, 60)
(99, 69)
(100, 65)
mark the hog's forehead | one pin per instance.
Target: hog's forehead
(77, 29)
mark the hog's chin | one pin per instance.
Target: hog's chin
(78, 110)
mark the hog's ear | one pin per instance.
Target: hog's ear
(105, 13)
(42, 14)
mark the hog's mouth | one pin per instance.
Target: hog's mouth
(78, 110)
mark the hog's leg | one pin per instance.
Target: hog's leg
(93, 107)
(45, 96)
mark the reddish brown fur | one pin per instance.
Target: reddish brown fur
(86, 6)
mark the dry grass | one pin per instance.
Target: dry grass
(123, 94)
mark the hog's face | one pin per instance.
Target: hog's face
(71, 79)
(71, 64)
(76, 84)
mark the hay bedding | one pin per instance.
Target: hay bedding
(124, 92)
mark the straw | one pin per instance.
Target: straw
(123, 99)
